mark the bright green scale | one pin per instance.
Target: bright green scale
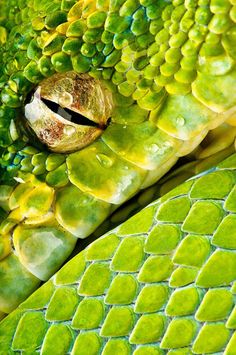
(166, 74)
(161, 283)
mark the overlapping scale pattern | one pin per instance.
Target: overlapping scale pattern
(161, 283)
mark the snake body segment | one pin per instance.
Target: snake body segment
(161, 283)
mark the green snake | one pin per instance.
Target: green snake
(98, 100)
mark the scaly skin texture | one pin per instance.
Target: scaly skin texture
(153, 77)
(164, 282)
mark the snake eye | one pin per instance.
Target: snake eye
(69, 111)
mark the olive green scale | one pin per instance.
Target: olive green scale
(170, 66)
(164, 282)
